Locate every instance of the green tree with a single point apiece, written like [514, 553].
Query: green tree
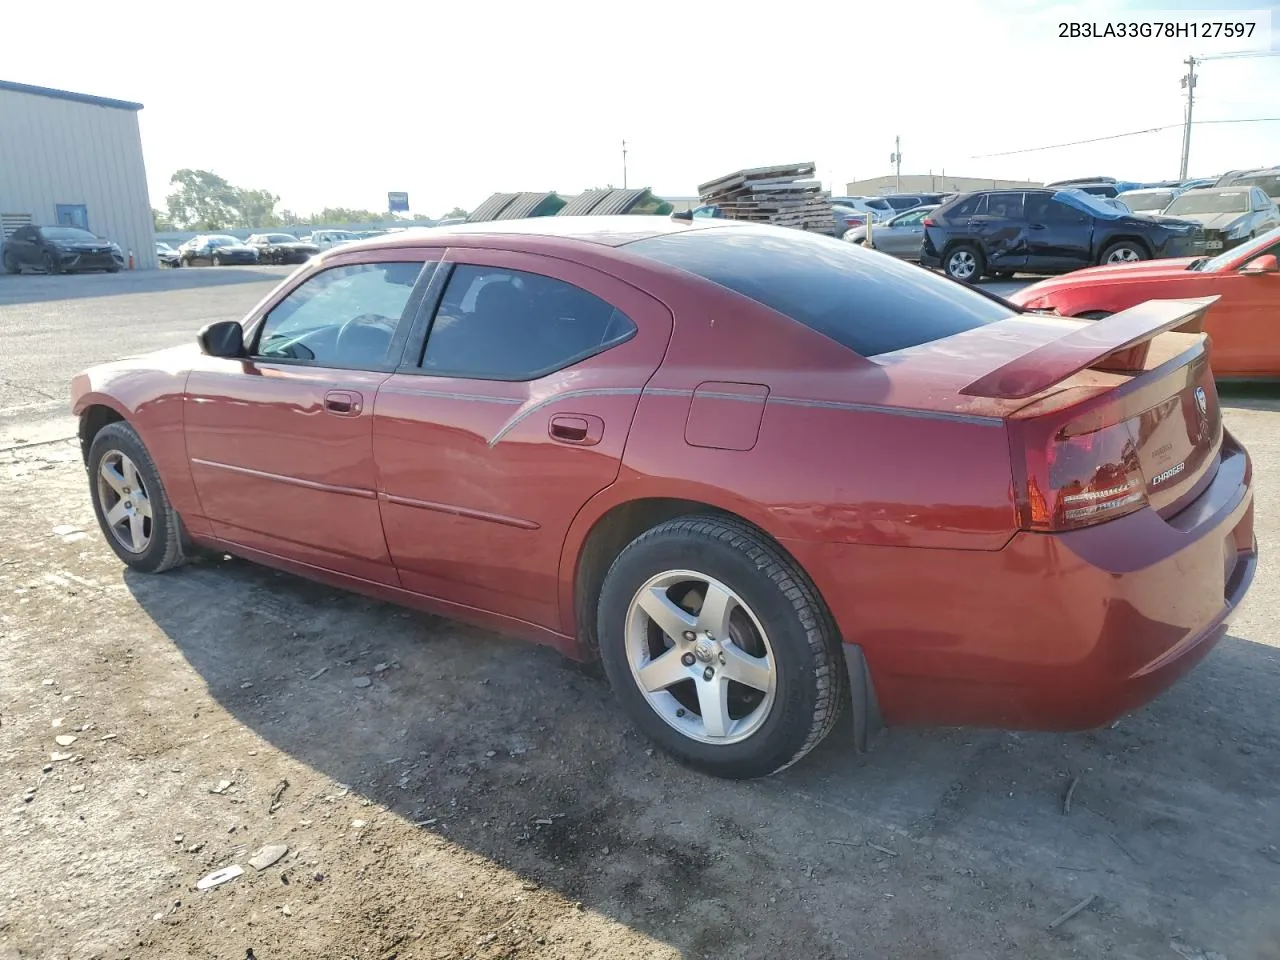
[202, 201]
[455, 212]
[161, 221]
[256, 208]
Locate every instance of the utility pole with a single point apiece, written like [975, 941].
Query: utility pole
[1188, 84]
[624, 164]
[896, 159]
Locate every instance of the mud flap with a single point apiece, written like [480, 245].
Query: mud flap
[865, 711]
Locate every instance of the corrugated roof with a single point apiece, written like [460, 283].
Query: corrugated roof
[531, 205]
[583, 203]
[618, 201]
[491, 208]
[68, 95]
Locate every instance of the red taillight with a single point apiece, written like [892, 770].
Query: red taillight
[1082, 479]
[929, 222]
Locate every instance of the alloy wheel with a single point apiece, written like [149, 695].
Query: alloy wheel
[1123, 255]
[124, 501]
[962, 264]
[700, 657]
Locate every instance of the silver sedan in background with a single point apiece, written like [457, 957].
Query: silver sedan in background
[899, 236]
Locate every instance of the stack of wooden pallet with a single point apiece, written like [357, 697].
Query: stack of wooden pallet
[786, 195]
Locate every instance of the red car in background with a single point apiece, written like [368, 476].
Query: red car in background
[1244, 324]
[763, 475]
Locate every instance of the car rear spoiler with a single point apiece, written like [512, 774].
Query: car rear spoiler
[1118, 343]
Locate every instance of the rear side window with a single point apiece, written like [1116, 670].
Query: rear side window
[865, 301]
[498, 324]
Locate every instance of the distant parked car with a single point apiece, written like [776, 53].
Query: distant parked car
[454, 221]
[877, 207]
[327, 239]
[1229, 215]
[167, 255]
[281, 248]
[1268, 179]
[1150, 200]
[59, 249]
[216, 250]
[910, 201]
[1000, 232]
[899, 236]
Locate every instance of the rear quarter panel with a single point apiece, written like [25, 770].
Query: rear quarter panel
[835, 459]
[147, 392]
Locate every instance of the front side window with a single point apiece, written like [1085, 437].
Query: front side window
[1005, 206]
[908, 219]
[499, 324]
[343, 317]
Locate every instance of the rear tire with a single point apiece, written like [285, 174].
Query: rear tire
[217, 260]
[132, 507]
[1124, 251]
[965, 263]
[1094, 315]
[11, 265]
[777, 637]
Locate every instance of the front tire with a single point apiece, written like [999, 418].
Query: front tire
[130, 502]
[719, 648]
[217, 260]
[965, 263]
[50, 265]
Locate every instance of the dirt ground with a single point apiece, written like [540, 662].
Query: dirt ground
[447, 793]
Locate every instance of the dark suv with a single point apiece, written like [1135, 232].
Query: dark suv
[1002, 232]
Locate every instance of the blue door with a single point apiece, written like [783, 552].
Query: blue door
[73, 215]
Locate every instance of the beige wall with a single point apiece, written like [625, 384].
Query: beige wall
[931, 183]
[56, 151]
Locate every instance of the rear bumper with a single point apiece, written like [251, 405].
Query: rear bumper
[1054, 632]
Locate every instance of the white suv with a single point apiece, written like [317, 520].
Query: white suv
[324, 239]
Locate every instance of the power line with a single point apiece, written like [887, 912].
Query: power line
[1119, 136]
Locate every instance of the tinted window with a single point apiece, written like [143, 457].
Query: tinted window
[867, 302]
[496, 324]
[24, 234]
[875, 203]
[1043, 208]
[907, 219]
[1269, 182]
[1005, 206]
[966, 207]
[344, 317]
[902, 203]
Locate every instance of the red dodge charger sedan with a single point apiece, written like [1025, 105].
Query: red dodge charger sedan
[764, 476]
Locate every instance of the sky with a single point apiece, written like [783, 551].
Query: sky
[337, 105]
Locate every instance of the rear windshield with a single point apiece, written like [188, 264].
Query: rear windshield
[867, 301]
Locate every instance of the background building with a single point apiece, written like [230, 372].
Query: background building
[930, 183]
[74, 159]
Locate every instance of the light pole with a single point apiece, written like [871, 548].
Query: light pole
[1188, 84]
[896, 159]
[624, 164]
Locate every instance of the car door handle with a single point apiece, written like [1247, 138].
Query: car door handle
[582, 429]
[343, 403]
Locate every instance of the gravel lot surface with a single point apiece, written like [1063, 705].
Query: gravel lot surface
[445, 793]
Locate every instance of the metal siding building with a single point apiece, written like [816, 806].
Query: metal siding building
[67, 156]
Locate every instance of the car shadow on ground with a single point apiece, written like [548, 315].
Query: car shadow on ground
[522, 757]
[43, 288]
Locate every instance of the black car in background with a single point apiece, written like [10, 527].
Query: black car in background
[216, 249]
[282, 248]
[60, 249]
[1002, 232]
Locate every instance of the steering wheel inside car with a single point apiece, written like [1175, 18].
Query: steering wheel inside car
[364, 339]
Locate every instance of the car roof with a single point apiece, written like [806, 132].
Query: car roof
[608, 231]
[1233, 188]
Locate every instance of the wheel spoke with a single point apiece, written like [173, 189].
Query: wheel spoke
[713, 705]
[143, 505]
[717, 606]
[116, 514]
[672, 620]
[136, 534]
[115, 479]
[663, 671]
[130, 473]
[747, 670]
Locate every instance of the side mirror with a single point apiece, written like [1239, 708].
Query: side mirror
[1264, 264]
[222, 339]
